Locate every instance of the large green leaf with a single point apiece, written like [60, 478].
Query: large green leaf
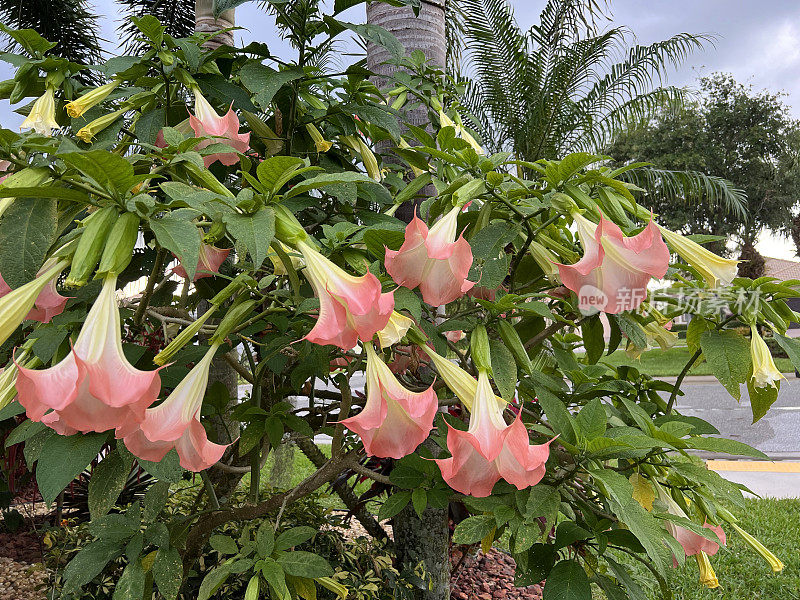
[473, 529]
[265, 82]
[728, 355]
[27, 230]
[305, 564]
[131, 584]
[107, 481]
[89, 563]
[168, 572]
[254, 231]
[567, 581]
[63, 458]
[327, 179]
[726, 446]
[761, 398]
[181, 237]
[504, 369]
[107, 170]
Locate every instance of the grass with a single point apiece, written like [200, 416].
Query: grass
[742, 573]
[669, 363]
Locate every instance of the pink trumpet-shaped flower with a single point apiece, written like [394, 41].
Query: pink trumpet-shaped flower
[614, 272]
[207, 123]
[434, 260]
[349, 307]
[175, 423]
[94, 388]
[49, 302]
[211, 258]
[490, 450]
[394, 420]
[691, 542]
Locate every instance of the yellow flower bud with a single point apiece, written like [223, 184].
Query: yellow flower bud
[77, 107]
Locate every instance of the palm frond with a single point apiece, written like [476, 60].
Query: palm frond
[68, 23]
[671, 186]
[177, 16]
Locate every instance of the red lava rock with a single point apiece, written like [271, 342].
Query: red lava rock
[488, 577]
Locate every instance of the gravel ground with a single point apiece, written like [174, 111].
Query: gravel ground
[489, 577]
[21, 581]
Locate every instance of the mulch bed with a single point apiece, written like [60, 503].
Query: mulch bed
[489, 577]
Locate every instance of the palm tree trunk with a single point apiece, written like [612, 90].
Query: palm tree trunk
[206, 22]
[417, 539]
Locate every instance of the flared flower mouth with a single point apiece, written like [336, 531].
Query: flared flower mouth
[42, 118]
[765, 372]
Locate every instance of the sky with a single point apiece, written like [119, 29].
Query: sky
[757, 41]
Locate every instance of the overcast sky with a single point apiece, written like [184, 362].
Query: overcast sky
[757, 41]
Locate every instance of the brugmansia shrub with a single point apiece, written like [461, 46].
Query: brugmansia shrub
[233, 201]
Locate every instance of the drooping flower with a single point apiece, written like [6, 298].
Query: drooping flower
[394, 420]
[16, 305]
[90, 130]
[360, 148]
[655, 334]
[320, 143]
[765, 373]
[208, 264]
[395, 329]
[490, 450]
[94, 388]
[707, 576]
[461, 131]
[455, 336]
[207, 123]
[42, 118]
[715, 270]
[79, 106]
[175, 423]
[48, 303]
[433, 259]
[546, 261]
[349, 307]
[774, 562]
[614, 272]
[691, 542]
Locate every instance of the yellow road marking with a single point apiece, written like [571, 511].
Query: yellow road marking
[754, 465]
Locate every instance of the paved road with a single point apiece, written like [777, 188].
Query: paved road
[777, 434]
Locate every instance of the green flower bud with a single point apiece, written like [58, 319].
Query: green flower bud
[119, 247]
[513, 342]
[96, 228]
[479, 344]
[287, 228]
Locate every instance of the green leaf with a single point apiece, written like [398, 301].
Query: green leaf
[28, 229]
[294, 537]
[181, 237]
[213, 581]
[394, 504]
[62, 460]
[473, 529]
[223, 544]
[168, 572]
[106, 484]
[728, 356]
[543, 501]
[154, 501]
[377, 116]
[504, 369]
[108, 170]
[12, 410]
[278, 168]
[89, 563]
[791, 346]
[761, 398]
[255, 232]
[326, 179]
[621, 573]
[593, 342]
[305, 564]
[167, 469]
[568, 533]
[632, 330]
[24, 431]
[419, 499]
[265, 82]
[131, 584]
[697, 326]
[265, 539]
[151, 27]
[220, 6]
[276, 578]
[592, 420]
[407, 477]
[149, 124]
[375, 34]
[557, 414]
[722, 445]
[567, 581]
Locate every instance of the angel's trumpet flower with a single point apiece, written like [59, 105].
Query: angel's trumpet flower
[394, 420]
[715, 270]
[42, 118]
[395, 329]
[94, 388]
[765, 373]
[490, 450]
[207, 123]
[349, 307]
[208, 263]
[613, 274]
[433, 259]
[175, 423]
[91, 99]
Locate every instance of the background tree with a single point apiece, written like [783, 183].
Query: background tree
[731, 132]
